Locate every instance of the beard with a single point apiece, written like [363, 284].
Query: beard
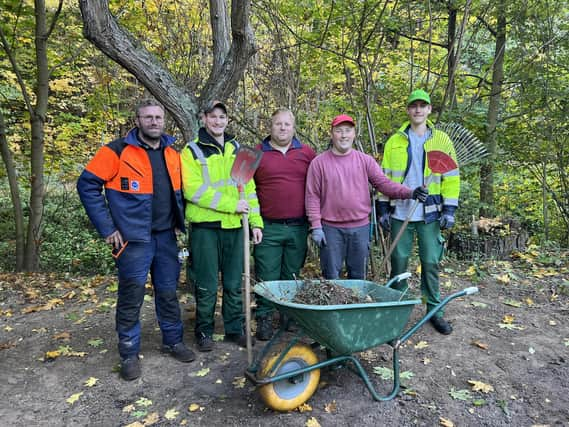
[151, 135]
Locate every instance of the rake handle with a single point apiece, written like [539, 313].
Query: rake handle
[398, 236]
[246, 277]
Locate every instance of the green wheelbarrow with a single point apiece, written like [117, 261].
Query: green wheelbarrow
[287, 373]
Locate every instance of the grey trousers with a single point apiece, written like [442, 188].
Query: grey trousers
[349, 245]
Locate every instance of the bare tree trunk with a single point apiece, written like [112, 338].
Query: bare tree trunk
[231, 54]
[8, 160]
[455, 50]
[37, 121]
[451, 63]
[487, 168]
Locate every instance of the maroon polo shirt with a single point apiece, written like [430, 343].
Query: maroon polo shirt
[281, 178]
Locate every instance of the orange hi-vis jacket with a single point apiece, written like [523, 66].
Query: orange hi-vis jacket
[123, 169]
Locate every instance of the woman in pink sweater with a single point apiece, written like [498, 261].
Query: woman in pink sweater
[338, 203]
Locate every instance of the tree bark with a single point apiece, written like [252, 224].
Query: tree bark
[487, 168]
[8, 160]
[230, 58]
[37, 121]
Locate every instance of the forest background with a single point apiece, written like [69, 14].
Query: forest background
[498, 68]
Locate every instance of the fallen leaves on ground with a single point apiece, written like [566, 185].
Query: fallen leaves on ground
[143, 401]
[330, 407]
[305, 407]
[201, 373]
[195, 407]
[460, 394]
[74, 398]
[151, 419]
[171, 414]
[312, 422]
[513, 303]
[239, 382]
[65, 336]
[480, 344]
[445, 422]
[63, 351]
[91, 381]
[421, 344]
[480, 386]
[50, 305]
[387, 373]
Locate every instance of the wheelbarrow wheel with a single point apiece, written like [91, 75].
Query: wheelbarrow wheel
[290, 393]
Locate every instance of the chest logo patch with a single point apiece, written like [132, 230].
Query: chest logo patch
[135, 185]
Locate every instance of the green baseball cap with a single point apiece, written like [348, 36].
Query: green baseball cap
[419, 95]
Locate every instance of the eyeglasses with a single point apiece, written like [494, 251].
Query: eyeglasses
[149, 119]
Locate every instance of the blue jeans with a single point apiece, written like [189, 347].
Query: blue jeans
[160, 258]
[349, 245]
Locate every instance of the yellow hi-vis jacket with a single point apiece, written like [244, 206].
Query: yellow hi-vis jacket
[443, 188]
[210, 193]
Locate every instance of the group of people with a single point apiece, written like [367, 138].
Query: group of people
[151, 191]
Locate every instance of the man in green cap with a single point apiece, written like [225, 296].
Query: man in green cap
[404, 162]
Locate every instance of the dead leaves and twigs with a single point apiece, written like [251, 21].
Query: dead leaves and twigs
[327, 292]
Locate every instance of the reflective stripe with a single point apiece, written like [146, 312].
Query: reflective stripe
[397, 174]
[451, 202]
[454, 172]
[432, 208]
[215, 200]
[198, 194]
[255, 210]
[383, 198]
[252, 196]
[203, 161]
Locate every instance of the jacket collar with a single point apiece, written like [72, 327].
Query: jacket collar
[266, 144]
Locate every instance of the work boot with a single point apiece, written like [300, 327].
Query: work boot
[441, 325]
[205, 342]
[239, 339]
[130, 368]
[179, 352]
[264, 328]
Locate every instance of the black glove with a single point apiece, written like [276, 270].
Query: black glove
[385, 222]
[420, 194]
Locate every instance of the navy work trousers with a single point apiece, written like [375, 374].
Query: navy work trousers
[159, 257]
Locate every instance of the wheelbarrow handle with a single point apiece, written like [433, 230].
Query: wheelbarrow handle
[397, 279]
[430, 314]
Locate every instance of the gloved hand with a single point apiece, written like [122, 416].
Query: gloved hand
[420, 194]
[446, 221]
[319, 237]
[385, 222]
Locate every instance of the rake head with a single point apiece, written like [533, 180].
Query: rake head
[468, 147]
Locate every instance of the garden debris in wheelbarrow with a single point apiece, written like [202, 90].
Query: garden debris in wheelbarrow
[327, 292]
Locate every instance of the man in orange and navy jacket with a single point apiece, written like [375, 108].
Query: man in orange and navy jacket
[138, 215]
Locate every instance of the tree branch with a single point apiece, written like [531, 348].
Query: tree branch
[103, 30]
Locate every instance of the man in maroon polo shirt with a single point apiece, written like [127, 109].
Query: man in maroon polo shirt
[280, 182]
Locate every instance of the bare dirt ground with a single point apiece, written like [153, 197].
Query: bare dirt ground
[506, 363]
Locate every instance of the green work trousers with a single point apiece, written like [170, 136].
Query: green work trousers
[431, 250]
[215, 250]
[279, 256]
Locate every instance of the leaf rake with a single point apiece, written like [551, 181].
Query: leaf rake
[468, 147]
[444, 155]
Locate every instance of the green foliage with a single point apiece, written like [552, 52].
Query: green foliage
[70, 243]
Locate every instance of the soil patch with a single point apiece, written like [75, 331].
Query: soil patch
[505, 364]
